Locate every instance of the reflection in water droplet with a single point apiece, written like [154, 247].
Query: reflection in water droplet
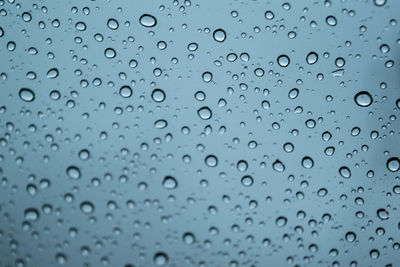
[169, 182]
[363, 99]
[31, 214]
[87, 207]
[383, 214]
[148, 20]
[345, 172]
[158, 95]
[205, 113]
[393, 164]
[73, 172]
[125, 91]
[281, 221]
[312, 58]
[278, 166]
[211, 161]
[283, 61]
[247, 180]
[160, 259]
[26, 95]
[219, 35]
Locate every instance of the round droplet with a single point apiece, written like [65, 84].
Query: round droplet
[247, 180]
[31, 214]
[125, 91]
[84, 154]
[363, 99]
[169, 182]
[112, 24]
[148, 20]
[281, 221]
[393, 164]
[110, 53]
[188, 238]
[158, 95]
[269, 15]
[219, 35]
[278, 166]
[345, 172]
[73, 172]
[307, 162]
[312, 58]
[242, 165]
[204, 113]
[211, 161]
[87, 207]
[331, 21]
[283, 61]
[351, 237]
[160, 124]
[160, 259]
[26, 95]
[379, 2]
[207, 77]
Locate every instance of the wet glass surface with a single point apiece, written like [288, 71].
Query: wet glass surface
[199, 133]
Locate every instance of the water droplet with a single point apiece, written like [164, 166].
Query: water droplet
[161, 259]
[73, 172]
[169, 182]
[204, 113]
[26, 95]
[383, 214]
[283, 61]
[211, 161]
[219, 35]
[148, 20]
[278, 166]
[363, 99]
[281, 221]
[312, 58]
[345, 172]
[247, 180]
[158, 95]
[189, 238]
[87, 207]
[393, 164]
[31, 214]
[125, 91]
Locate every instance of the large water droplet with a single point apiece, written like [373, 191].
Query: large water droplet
[26, 95]
[148, 20]
[363, 99]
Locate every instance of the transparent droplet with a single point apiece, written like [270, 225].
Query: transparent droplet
[125, 91]
[363, 99]
[204, 113]
[247, 180]
[281, 221]
[219, 35]
[158, 95]
[312, 58]
[87, 207]
[345, 172]
[393, 164]
[26, 95]
[160, 259]
[211, 161]
[73, 172]
[283, 61]
[148, 20]
[169, 182]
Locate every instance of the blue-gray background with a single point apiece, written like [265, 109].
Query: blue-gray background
[139, 220]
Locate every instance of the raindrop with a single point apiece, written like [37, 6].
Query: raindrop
[283, 61]
[169, 182]
[148, 20]
[363, 99]
[219, 35]
[26, 95]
